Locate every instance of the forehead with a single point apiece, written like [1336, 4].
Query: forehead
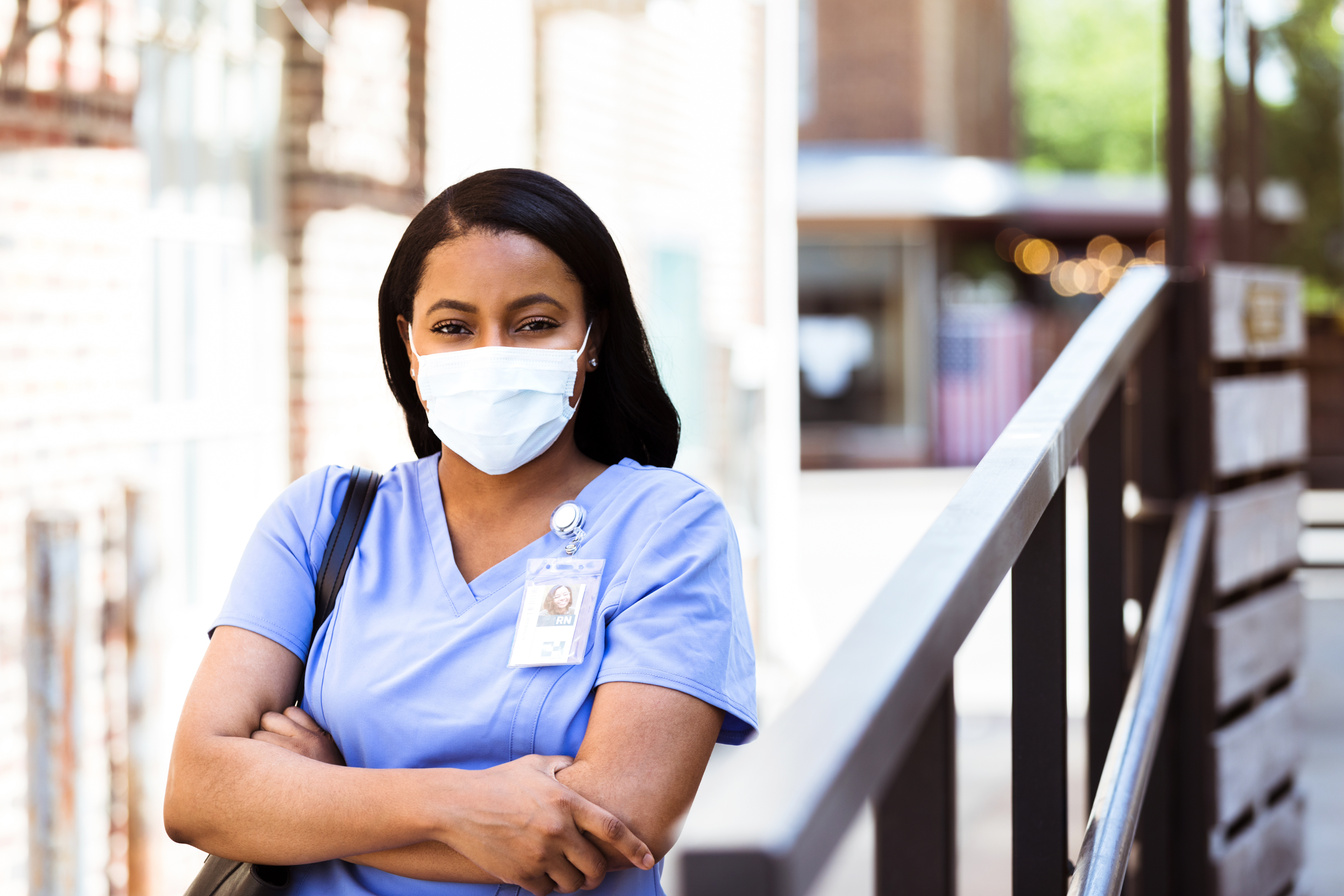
[486, 269]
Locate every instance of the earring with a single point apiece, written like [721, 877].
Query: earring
[592, 363]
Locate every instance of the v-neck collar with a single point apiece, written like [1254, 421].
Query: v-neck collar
[461, 593]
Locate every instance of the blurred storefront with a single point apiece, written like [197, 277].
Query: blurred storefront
[939, 279]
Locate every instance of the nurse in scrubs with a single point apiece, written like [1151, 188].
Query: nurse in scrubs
[421, 761]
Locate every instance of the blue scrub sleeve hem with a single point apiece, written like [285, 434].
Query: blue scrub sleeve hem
[739, 726]
[258, 627]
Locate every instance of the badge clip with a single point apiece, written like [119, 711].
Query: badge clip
[567, 522]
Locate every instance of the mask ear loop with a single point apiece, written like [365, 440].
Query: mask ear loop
[577, 355]
[410, 340]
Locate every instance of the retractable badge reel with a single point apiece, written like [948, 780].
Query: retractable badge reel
[567, 522]
[559, 600]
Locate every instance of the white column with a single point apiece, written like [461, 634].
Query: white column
[782, 621]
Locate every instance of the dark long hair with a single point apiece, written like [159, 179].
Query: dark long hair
[625, 410]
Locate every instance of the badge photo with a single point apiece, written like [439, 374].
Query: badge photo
[556, 613]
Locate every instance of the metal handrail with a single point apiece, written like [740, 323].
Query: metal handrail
[1104, 855]
[768, 818]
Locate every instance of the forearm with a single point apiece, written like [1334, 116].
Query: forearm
[249, 800]
[627, 799]
[430, 860]
[250, 793]
[641, 759]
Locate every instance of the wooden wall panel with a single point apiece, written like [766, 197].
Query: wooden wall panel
[1256, 753]
[1259, 421]
[1256, 312]
[1256, 530]
[1262, 859]
[1255, 641]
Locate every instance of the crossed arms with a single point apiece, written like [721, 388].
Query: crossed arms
[250, 779]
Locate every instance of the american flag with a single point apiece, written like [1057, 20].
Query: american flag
[984, 375]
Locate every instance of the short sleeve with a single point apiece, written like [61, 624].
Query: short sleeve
[682, 622]
[272, 593]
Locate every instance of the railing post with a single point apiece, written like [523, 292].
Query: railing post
[917, 813]
[1040, 737]
[1153, 471]
[1190, 718]
[1107, 650]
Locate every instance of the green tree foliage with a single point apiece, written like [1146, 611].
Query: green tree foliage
[1302, 144]
[1091, 91]
[1090, 82]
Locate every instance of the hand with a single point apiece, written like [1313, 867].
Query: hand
[520, 824]
[296, 731]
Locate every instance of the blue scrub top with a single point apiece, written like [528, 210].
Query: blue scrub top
[410, 670]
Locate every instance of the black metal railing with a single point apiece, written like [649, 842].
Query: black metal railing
[1103, 858]
[878, 723]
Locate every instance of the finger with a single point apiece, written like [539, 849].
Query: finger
[294, 714]
[553, 764]
[269, 737]
[567, 878]
[587, 859]
[280, 724]
[538, 886]
[608, 828]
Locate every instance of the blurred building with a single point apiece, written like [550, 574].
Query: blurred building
[197, 203]
[142, 430]
[927, 84]
[938, 280]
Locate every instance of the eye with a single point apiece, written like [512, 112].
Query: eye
[450, 328]
[538, 324]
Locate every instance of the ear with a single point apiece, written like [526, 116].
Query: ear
[404, 330]
[593, 351]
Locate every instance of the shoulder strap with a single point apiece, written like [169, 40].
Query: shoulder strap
[350, 521]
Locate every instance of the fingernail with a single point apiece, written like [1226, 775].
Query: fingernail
[648, 860]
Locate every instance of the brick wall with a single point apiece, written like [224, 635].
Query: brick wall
[870, 71]
[934, 72]
[141, 340]
[74, 379]
[319, 181]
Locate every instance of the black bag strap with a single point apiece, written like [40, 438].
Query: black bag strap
[341, 544]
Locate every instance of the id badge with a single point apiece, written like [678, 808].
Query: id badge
[559, 601]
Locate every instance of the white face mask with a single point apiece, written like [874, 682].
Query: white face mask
[498, 407]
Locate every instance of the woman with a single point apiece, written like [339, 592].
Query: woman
[420, 762]
[558, 602]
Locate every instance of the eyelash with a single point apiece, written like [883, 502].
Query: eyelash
[457, 328]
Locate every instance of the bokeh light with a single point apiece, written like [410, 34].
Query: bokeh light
[1104, 261]
[1062, 278]
[1007, 241]
[1098, 245]
[1036, 256]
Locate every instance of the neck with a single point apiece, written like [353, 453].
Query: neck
[558, 475]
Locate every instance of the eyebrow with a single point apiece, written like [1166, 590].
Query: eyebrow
[536, 298]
